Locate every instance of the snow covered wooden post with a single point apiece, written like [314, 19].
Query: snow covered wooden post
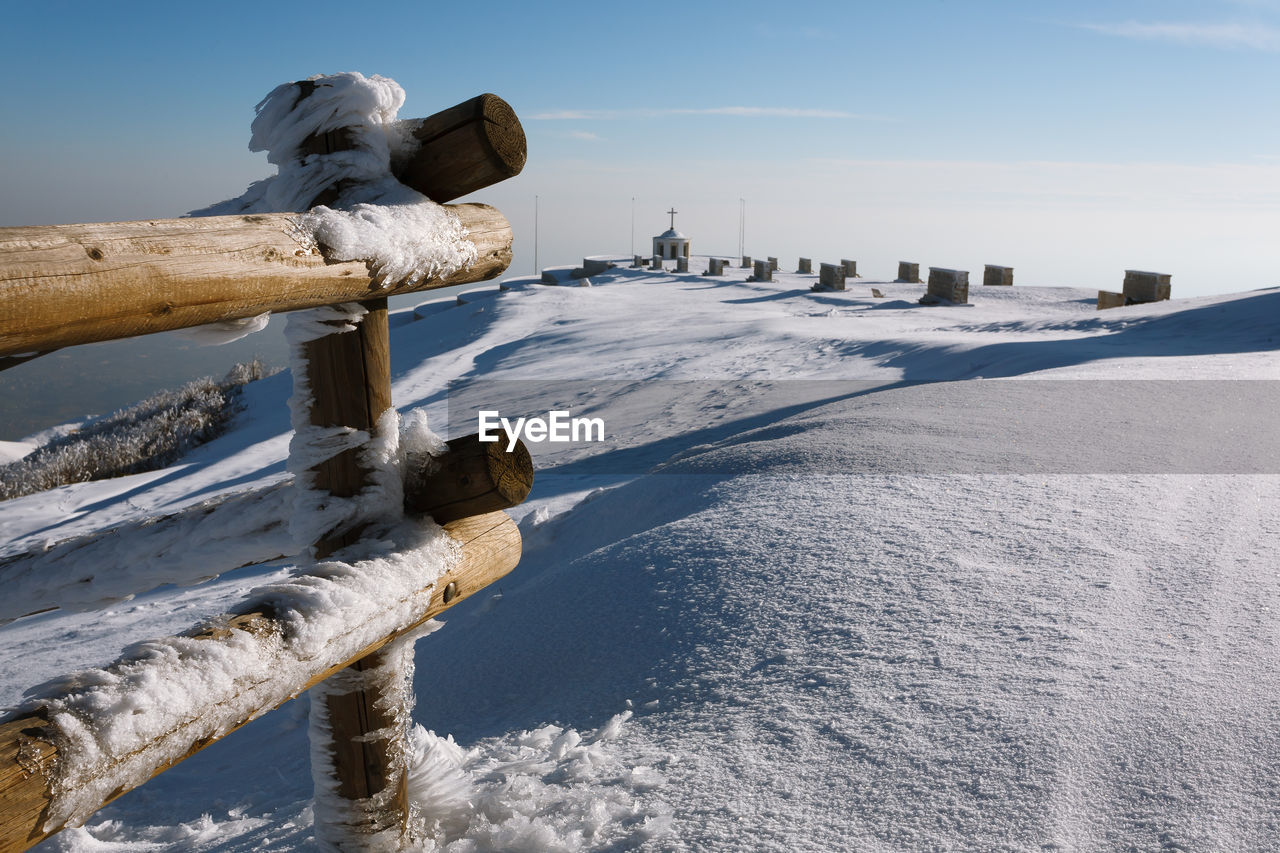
[346, 385]
[349, 375]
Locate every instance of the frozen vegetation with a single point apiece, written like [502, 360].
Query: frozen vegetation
[148, 435]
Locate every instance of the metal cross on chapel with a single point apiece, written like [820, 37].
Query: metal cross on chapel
[673, 213]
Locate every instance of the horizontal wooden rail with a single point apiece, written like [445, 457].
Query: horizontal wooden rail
[28, 752]
[62, 285]
[248, 528]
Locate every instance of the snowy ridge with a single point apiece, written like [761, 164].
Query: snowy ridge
[816, 658]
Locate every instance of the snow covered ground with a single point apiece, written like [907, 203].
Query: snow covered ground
[809, 594]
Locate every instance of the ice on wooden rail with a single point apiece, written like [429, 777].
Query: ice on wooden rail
[404, 236]
[114, 726]
[225, 331]
[403, 243]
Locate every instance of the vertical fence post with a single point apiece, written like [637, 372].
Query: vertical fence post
[350, 378]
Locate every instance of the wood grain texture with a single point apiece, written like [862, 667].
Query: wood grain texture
[465, 148]
[349, 374]
[62, 285]
[473, 478]
[490, 546]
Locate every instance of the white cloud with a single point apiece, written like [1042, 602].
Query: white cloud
[1227, 35]
[748, 112]
[584, 135]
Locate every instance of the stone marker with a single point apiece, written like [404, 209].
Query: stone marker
[851, 268]
[560, 275]
[682, 264]
[656, 263]
[773, 264]
[595, 266]
[993, 276]
[746, 262]
[715, 266]
[1110, 299]
[763, 272]
[637, 261]
[908, 272]
[806, 266]
[949, 285]
[1142, 286]
[831, 276]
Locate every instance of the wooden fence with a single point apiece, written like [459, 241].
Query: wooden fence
[74, 284]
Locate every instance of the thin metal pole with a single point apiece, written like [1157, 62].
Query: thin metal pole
[633, 226]
[742, 226]
[535, 235]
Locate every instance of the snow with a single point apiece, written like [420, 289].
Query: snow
[404, 236]
[876, 609]
[225, 331]
[207, 539]
[405, 242]
[113, 726]
[12, 451]
[366, 106]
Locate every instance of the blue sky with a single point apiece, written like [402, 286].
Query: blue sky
[1070, 140]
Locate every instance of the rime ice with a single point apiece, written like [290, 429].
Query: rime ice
[403, 243]
[403, 235]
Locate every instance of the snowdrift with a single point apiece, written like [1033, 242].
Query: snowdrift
[776, 614]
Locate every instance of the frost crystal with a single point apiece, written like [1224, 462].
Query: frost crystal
[404, 243]
[402, 235]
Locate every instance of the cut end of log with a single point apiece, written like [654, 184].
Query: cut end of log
[511, 473]
[473, 478]
[505, 135]
[466, 148]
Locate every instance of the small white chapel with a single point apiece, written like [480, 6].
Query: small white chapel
[671, 243]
